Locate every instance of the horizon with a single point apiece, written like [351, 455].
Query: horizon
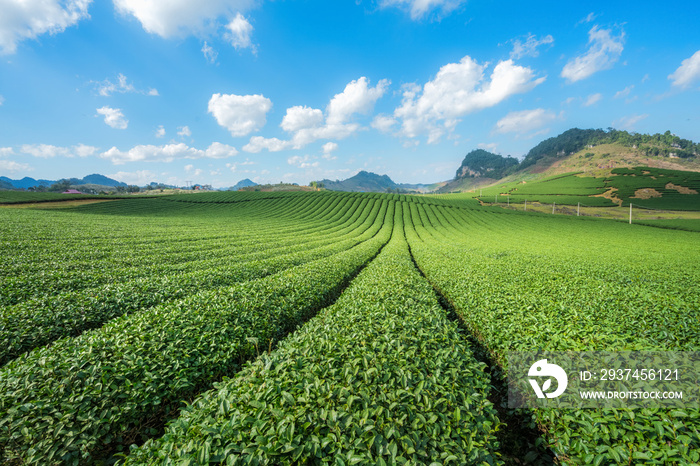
[149, 91]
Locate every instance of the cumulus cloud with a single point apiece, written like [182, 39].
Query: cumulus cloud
[328, 149]
[240, 114]
[528, 48]
[113, 117]
[628, 122]
[184, 131]
[182, 17]
[307, 125]
[524, 121]
[302, 162]
[193, 171]
[167, 153]
[300, 117]
[160, 132]
[258, 143]
[420, 8]
[592, 99]
[6, 151]
[457, 90]
[383, 123]
[239, 33]
[688, 73]
[10, 166]
[28, 19]
[106, 88]
[603, 52]
[491, 146]
[47, 151]
[357, 97]
[138, 177]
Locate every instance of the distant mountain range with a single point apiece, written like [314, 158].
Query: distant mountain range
[371, 182]
[242, 184]
[575, 150]
[26, 182]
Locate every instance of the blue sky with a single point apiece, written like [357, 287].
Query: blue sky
[293, 90]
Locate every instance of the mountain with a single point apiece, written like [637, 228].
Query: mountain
[371, 182]
[94, 179]
[242, 184]
[592, 151]
[552, 150]
[481, 163]
[101, 180]
[25, 182]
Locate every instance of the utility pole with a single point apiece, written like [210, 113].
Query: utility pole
[553, 205]
[578, 209]
[630, 213]
[525, 204]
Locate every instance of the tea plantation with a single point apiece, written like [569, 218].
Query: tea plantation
[327, 328]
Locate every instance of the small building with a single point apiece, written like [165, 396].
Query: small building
[71, 191]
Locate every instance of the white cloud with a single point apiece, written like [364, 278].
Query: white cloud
[628, 122]
[604, 51]
[160, 132]
[306, 124]
[299, 117]
[239, 33]
[383, 123]
[113, 117]
[184, 131]
[217, 150]
[529, 47]
[2, 100]
[138, 178]
[491, 146]
[302, 162]
[209, 53]
[13, 167]
[592, 99]
[590, 17]
[328, 149]
[357, 97]
[28, 19]
[459, 89]
[623, 93]
[524, 121]
[6, 151]
[167, 153]
[181, 17]
[47, 151]
[240, 114]
[419, 8]
[258, 143]
[328, 131]
[106, 88]
[688, 73]
[193, 171]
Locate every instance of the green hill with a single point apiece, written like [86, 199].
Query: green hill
[592, 167]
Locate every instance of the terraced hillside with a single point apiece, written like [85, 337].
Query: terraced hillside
[321, 327]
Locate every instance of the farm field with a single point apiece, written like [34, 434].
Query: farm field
[645, 187]
[327, 328]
